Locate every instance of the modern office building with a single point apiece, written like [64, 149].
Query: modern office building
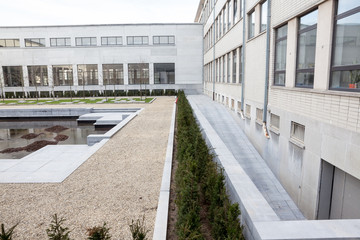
[100, 57]
[291, 70]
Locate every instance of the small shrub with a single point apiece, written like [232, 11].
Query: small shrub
[7, 235]
[138, 229]
[157, 92]
[56, 231]
[99, 233]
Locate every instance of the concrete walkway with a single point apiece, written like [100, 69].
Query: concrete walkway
[229, 131]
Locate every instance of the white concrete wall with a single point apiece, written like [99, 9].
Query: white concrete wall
[186, 53]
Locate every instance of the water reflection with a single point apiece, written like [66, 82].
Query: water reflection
[12, 131]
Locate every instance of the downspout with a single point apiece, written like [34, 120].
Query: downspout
[243, 63]
[267, 61]
[214, 26]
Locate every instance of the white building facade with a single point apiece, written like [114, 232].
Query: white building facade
[98, 58]
[294, 80]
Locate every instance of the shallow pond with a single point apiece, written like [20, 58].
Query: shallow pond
[27, 134]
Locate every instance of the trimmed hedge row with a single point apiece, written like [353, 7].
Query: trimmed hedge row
[198, 177]
[92, 93]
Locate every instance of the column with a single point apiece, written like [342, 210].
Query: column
[100, 75]
[291, 53]
[50, 76]
[75, 75]
[126, 74]
[151, 73]
[25, 76]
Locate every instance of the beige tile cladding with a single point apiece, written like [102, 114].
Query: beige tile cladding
[340, 111]
[283, 10]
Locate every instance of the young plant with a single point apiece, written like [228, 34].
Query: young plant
[138, 229]
[56, 231]
[7, 235]
[99, 233]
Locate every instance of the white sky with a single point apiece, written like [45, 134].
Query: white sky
[71, 12]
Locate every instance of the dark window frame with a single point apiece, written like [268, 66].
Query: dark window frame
[251, 34]
[344, 67]
[133, 37]
[275, 55]
[299, 32]
[261, 18]
[13, 41]
[116, 40]
[32, 43]
[59, 45]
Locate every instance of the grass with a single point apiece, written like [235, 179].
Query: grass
[51, 101]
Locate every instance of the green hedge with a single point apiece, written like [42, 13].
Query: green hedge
[198, 177]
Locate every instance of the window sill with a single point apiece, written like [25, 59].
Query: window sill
[297, 143]
[247, 117]
[259, 122]
[274, 130]
[256, 36]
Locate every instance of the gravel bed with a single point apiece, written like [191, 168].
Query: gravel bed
[120, 182]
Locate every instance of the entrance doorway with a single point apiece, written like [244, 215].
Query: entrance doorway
[339, 194]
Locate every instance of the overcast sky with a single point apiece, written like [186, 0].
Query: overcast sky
[70, 12]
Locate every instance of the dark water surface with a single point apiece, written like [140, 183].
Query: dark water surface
[12, 131]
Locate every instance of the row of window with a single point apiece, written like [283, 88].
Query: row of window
[112, 74]
[263, 19]
[345, 68]
[228, 68]
[297, 131]
[89, 41]
[228, 16]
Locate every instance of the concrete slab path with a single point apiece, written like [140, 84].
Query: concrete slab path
[229, 131]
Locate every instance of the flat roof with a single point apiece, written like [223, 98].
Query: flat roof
[101, 25]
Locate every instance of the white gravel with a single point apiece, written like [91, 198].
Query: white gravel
[120, 182]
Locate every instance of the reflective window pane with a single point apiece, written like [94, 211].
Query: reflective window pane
[279, 79]
[78, 42]
[281, 32]
[251, 26]
[104, 41]
[264, 7]
[145, 40]
[164, 40]
[346, 79]
[113, 74]
[138, 73]
[62, 75]
[38, 75]
[280, 59]
[305, 79]
[67, 42]
[347, 41]
[309, 19]
[2, 43]
[156, 40]
[164, 73]
[346, 5]
[13, 76]
[306, 49]
[87, 74]
[9, 42]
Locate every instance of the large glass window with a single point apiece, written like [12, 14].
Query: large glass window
[263, 16]
[137, 40]
[224, 21]
[9, 43]
[111, 41]
[87, 74]
[228, 67]
[223, 68]
[235, 15]
[163, 40]
[217, 66]
[164, 73]
[346, 47]
[240, 65]
[306, 50]
[62, 75]
[138, 73]
[234, 66]
[60, 42]
[85, 41]
[280, 56]
[229, 15]
[241, 8]
[35, 42]
[251, 26]
[13, 76]
[113, 74]
[38, 75]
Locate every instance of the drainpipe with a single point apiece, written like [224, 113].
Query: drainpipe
[214, 66]
[267, 61]
[243, 62]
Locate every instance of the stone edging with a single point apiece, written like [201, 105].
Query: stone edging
[161, 221]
